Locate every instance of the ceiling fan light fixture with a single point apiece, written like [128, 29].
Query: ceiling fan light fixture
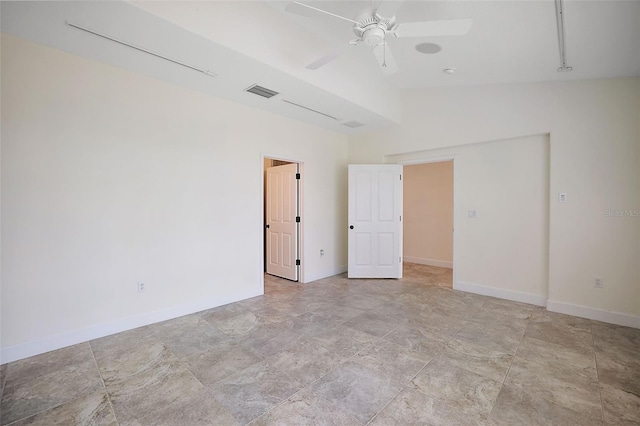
[374, 36]
[449, 71]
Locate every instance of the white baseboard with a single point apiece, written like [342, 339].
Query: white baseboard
[430, 262]
[501, 293]
[594, 313]
[333, 271]
[25, 350]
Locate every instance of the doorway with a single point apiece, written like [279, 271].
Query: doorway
[428, 195]
[282, 219]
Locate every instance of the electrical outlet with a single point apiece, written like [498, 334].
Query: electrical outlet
[472, 214]
[562, 197]
[321, 252]
[598, 283]
[141, 287]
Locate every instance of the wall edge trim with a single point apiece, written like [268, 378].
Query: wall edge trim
[611, 317]
[501, 293]
[429, 262]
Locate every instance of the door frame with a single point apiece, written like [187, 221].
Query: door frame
[441, 159]
[300, 164]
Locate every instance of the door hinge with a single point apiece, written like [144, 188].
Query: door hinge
[297, 262]
[400, 177]
[400, 218]
[298, 219]
[400, 260]
[298, 176]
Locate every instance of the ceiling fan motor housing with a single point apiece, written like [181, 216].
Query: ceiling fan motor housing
[372, 28]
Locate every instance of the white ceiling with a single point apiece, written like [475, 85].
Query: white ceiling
[510, 41]
[248, 42]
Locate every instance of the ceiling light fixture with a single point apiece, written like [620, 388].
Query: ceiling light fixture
[449, 71]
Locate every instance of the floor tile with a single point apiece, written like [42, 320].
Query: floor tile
[187, 335]
[408, 351]
[219, 362]
[269, 339]
[3, 375]
[517, 406]
[418, 339]
[412, 407]
[120, 363]
[553, 354]
[620, 407]
[344, 341]
[490, 364]
[306, 361]
[305, 408]
[568, 388]
[357, 390]
[198, 408]
[42, 382]
[93, 409]
[393, 361]
[374, 323]
[488, 338]
[253, 391]
[442, 380]
[166, 385]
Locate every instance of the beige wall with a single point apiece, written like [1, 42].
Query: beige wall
[428, 213]
[594, 157]
[110, 178]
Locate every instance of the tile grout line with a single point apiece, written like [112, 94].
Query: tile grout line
[106, 391]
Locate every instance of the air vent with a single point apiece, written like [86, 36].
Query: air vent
[310, 109]
[353, 124]
[261, 91]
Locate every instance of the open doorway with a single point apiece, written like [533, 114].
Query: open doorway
[428, 195]
[282, 220]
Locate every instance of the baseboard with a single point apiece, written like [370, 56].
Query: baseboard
[430, 262]
[594, 313]
[25, 350]
[501, 293]
[333, 271]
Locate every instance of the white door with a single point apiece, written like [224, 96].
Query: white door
[281, 224]
[375, 221]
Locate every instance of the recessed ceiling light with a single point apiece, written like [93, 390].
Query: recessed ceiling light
[428, 48]
[449, 70]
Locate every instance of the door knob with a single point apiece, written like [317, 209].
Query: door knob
[351, 227]
[267, 226]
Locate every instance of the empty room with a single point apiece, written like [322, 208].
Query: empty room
[320, 212]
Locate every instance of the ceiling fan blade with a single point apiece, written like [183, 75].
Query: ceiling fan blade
[328, 57]
[385, 59]
[447, 27]
[388, 8]
[311, 12]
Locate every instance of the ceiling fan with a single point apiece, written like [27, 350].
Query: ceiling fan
[374, 25]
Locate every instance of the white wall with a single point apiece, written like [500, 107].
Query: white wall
[428, 213]
[110, 178]
[503, 251]
[594, 157]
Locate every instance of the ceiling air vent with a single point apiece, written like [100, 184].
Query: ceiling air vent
[261, 91]
[353, 124]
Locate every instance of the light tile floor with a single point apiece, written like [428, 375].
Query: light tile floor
[341, 352]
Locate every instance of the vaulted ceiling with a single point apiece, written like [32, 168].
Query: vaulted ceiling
[248, 42]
